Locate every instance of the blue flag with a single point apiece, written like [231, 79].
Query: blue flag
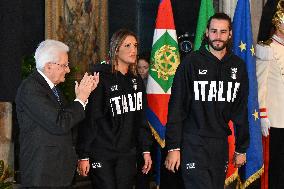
[243, 47]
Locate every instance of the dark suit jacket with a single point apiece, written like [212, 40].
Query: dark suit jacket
[47, 157]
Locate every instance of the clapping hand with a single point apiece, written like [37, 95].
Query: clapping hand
[86, 86]
[96, 79]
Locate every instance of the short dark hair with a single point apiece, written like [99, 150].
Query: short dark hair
[220, 16]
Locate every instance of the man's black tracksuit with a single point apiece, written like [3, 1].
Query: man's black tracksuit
[206, 94]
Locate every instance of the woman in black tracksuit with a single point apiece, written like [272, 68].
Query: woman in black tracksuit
[115, 122]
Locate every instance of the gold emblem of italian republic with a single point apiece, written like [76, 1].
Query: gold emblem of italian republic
[166, 61]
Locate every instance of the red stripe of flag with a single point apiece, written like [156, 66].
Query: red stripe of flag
[158, 103]
[165, 16]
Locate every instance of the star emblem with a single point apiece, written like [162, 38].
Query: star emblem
[255, 115]
[243, 46]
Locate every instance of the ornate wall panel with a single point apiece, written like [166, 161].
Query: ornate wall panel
[6, 143]
[82, 25]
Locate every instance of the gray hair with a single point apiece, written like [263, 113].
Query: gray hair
[48, 51]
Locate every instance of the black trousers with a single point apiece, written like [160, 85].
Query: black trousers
[113, 173]
[204, 162]
[276, 158]
[142, 180]
[169, 180]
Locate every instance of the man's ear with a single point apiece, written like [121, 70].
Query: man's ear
[206, 32]
[230, 34]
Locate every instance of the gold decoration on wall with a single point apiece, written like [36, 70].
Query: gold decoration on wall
[82, 25]
[6, 143]
[53, 10]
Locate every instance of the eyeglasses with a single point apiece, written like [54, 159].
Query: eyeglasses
[62, 65]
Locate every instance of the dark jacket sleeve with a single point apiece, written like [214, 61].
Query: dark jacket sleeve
[35, 106]
[178, 108]
[240, 115]
[87, 130]
[145, 135]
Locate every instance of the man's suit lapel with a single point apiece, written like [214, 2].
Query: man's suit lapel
[39, 78]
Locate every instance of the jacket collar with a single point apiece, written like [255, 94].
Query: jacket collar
[204, 49]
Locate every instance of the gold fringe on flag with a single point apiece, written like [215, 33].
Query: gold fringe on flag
[157, 137]
[231, 178]
[252, 178]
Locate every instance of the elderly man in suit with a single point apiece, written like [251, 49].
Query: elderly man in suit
[47, 157]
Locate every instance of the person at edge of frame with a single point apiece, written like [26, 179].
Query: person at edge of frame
[270, 77]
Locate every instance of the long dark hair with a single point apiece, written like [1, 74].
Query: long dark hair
[116, 41]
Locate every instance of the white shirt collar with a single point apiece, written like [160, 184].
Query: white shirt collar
[51, 85]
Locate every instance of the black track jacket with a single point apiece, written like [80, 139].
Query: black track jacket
[115, 121]
[206, 94]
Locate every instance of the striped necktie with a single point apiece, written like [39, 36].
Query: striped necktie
[54, 90]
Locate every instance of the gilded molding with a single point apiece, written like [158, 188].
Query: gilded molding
[53, 11]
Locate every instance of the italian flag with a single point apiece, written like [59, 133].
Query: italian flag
[206, 10]
[164, 62]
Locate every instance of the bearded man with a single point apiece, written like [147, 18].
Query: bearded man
[209, 89]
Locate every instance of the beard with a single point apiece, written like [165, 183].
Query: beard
[218, 47]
